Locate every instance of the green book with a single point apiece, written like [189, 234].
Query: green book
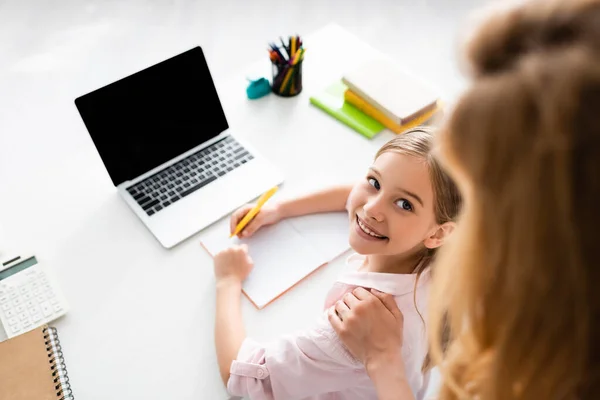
[331, 100]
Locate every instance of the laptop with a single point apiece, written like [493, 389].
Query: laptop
[166, 144]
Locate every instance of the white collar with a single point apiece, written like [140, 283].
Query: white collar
[395, 284]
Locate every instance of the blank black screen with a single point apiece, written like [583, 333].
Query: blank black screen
[147, 118]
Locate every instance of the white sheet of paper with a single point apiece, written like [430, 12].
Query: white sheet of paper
[286, 252]
[327, 232]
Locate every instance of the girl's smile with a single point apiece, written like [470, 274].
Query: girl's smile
[367, 232]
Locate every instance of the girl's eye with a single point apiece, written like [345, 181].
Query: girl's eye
[404, 204]
[373, 182]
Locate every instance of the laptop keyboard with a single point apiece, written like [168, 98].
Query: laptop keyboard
[188, 175]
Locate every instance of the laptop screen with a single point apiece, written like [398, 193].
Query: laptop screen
[146, 119]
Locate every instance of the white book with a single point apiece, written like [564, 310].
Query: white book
[284, 253]
[386, 86]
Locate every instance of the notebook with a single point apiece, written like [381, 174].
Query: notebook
[364, 106]
[387, 87]
[331, 100]
[284, 253]
[32, 366]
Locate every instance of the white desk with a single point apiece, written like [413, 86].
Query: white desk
[141, 319]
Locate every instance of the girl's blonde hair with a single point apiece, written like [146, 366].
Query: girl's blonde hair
[518, 283]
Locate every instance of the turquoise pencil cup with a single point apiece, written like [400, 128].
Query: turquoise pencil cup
[287, 79]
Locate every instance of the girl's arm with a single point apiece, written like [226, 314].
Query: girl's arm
[327, 200]
[232, 266]
[229, 326]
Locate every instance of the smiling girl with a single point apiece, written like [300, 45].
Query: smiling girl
[400, 213]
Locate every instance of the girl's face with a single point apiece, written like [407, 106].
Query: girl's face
[391, 209]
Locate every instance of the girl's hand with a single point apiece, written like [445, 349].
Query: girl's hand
[233, 264]
[268, 214]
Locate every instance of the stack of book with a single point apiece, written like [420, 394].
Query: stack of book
[378, 95]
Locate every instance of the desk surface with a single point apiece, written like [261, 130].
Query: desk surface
[141, 318]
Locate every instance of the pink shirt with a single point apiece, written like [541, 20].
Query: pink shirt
[316, 365]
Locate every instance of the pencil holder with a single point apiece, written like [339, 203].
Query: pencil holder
[287, 78]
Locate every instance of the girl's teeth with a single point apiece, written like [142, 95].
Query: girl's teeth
[367, 230]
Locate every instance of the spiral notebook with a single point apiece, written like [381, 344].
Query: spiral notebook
[32, 366]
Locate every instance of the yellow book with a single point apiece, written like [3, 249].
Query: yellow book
[358, 102]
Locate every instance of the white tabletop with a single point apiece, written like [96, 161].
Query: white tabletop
[141, 319]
